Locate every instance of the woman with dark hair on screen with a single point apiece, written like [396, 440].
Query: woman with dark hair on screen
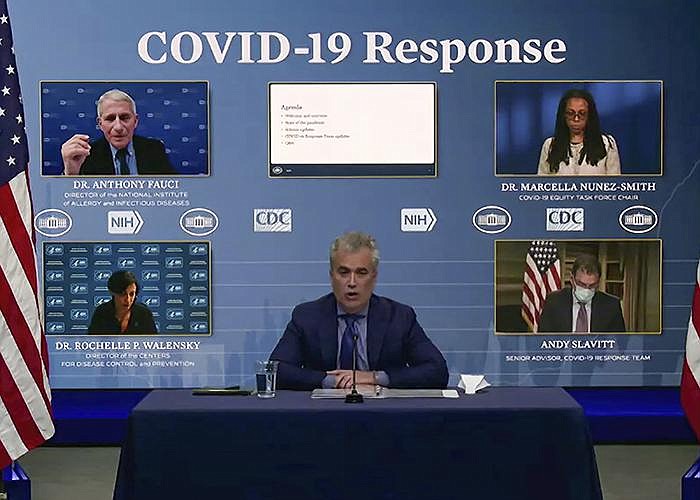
[122, 314]
[578, 146]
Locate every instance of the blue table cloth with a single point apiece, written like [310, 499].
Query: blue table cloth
[503, 443]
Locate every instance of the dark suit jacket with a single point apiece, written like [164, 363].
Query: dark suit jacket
[151, 158]
[606, 313]
[103, 321]
[396, 344]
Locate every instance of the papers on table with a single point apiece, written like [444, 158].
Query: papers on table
[472, 383]
[385, 392]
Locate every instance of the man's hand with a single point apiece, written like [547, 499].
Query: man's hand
[343, 378]
[74, 151]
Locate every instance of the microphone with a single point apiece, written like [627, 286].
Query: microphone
[354, 396]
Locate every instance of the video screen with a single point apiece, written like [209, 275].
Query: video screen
[571, 128]
[578, 286]
[163, 126]
[353, 129]
[165, 286]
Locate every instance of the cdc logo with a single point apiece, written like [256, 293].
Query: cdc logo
[55, 276]
[198, 249]
[198, 327]
[79, 314]
[174, 262]
[53, 250]
[150, 249]
[102, 250]
[153, 275]
[126, 263]
[152, 301]
[101, 275]
[272, 220]
[175, 314]
[55, 301]
[565, 219]
[638, 219]
[55, 327]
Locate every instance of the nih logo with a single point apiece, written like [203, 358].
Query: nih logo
[272, 220]
[124, 222]
[565, 219]
[417, 220]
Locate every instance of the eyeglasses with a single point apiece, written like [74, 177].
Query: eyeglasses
[573, 115]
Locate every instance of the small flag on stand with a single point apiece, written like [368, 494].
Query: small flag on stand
[25, 396]
[542, 276]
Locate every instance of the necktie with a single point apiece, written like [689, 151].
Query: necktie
[582, 318]
[123, 165]
[346, 342]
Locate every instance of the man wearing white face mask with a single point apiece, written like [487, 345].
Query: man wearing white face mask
[582, 308]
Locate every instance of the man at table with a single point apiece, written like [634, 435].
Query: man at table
[392, 348]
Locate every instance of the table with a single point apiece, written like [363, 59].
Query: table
[503, 443]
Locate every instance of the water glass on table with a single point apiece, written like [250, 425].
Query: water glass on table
[266, 378]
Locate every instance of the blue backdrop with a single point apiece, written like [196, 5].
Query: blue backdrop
[447, 273]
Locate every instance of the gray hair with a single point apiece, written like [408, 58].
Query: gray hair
[354, 241]
[115, 95]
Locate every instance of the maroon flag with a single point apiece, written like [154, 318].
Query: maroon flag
[542, 276]
[690, 379]
[25, 396]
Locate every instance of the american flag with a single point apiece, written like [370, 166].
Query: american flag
[542, 276]
[690, 379]
[25, 396]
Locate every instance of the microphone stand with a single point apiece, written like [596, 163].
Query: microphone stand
[354, 396]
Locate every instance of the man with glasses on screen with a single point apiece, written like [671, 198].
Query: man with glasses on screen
[316, 349]
[582, 308]
[119, 152]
